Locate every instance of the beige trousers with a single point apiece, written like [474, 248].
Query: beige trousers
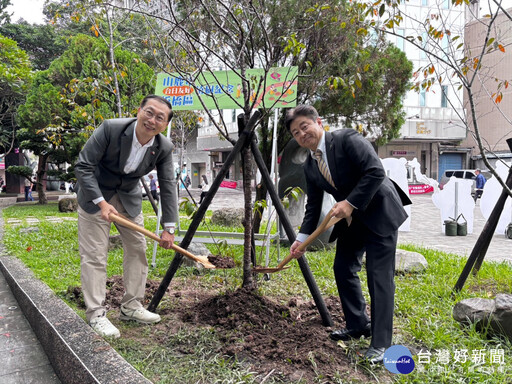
[93, 239]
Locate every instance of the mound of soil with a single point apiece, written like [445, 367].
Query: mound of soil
[284, 341]
[221, 261]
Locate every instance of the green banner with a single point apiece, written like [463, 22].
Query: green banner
[223, 89]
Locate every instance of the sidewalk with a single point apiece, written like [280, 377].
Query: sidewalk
[22, 357]
[427, 231]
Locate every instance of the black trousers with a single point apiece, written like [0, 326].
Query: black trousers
[380, 272]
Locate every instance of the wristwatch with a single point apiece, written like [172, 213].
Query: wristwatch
[170, 230]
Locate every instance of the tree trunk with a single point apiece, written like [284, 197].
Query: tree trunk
[113, 64]
[265, 145]
[248, 280]
[41, 174]
[261, 194]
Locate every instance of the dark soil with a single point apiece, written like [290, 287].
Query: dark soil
[284, 341]
[221, 261]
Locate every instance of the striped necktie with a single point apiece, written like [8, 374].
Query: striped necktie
[322, 166]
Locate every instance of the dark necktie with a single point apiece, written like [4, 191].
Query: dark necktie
[322, 166]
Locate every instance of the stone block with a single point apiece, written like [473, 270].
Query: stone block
[68, 205]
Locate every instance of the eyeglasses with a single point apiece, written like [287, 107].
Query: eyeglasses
[160, 119]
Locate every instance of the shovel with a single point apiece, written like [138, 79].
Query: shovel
[127, 223]
[327, 223]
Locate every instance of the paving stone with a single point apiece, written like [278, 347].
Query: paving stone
[17, 339]
[20, 359]
[14, 323]
[6, 296]
[54, 219]
[37, 375]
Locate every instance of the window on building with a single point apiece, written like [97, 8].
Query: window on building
[424, 38]
[424, 2]
[445, 44]
[444, 96]
[374, 38]
[446, 4]
[423, 98]
[400, 39]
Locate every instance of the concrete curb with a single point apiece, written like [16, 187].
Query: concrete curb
[76, 352]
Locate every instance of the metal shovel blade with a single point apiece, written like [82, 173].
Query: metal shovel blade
[328, 222]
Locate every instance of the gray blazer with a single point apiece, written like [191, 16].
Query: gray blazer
[99, 170]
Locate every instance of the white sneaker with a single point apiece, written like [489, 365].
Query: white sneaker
[104, 327]
[140, 315]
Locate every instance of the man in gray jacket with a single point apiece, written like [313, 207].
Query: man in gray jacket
[108, 171]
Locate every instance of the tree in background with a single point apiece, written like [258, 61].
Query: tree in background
[5, 17]
[116, 28]
[41, 42]
[451, 60]
[70, 99]
[375, 108]
[354, 79]
[15, 78]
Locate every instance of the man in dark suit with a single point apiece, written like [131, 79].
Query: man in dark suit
[345, 165]
[108, 171]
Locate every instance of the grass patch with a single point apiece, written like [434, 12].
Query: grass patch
[444, 351]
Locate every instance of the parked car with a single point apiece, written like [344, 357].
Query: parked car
[146, 178]
[468, 174]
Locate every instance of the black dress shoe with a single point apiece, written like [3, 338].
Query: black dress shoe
[375, 355]
[347, 334]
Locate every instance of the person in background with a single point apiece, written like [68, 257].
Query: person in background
[480, 182]
[204, 188]
[344, 164]
[28, 189]
[108, 172]
[153, 187]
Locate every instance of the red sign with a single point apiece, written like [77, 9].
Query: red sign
[178, 91]
[228, 184]
[418, 189]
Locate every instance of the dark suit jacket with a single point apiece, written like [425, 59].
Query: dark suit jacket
[359, 178]
[100, 165]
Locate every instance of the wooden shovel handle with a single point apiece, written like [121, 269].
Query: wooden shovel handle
[127, 223]
[326, 223]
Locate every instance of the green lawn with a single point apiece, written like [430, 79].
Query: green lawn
[423, 316]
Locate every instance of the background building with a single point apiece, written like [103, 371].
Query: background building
[433, 129]
[494, 119]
